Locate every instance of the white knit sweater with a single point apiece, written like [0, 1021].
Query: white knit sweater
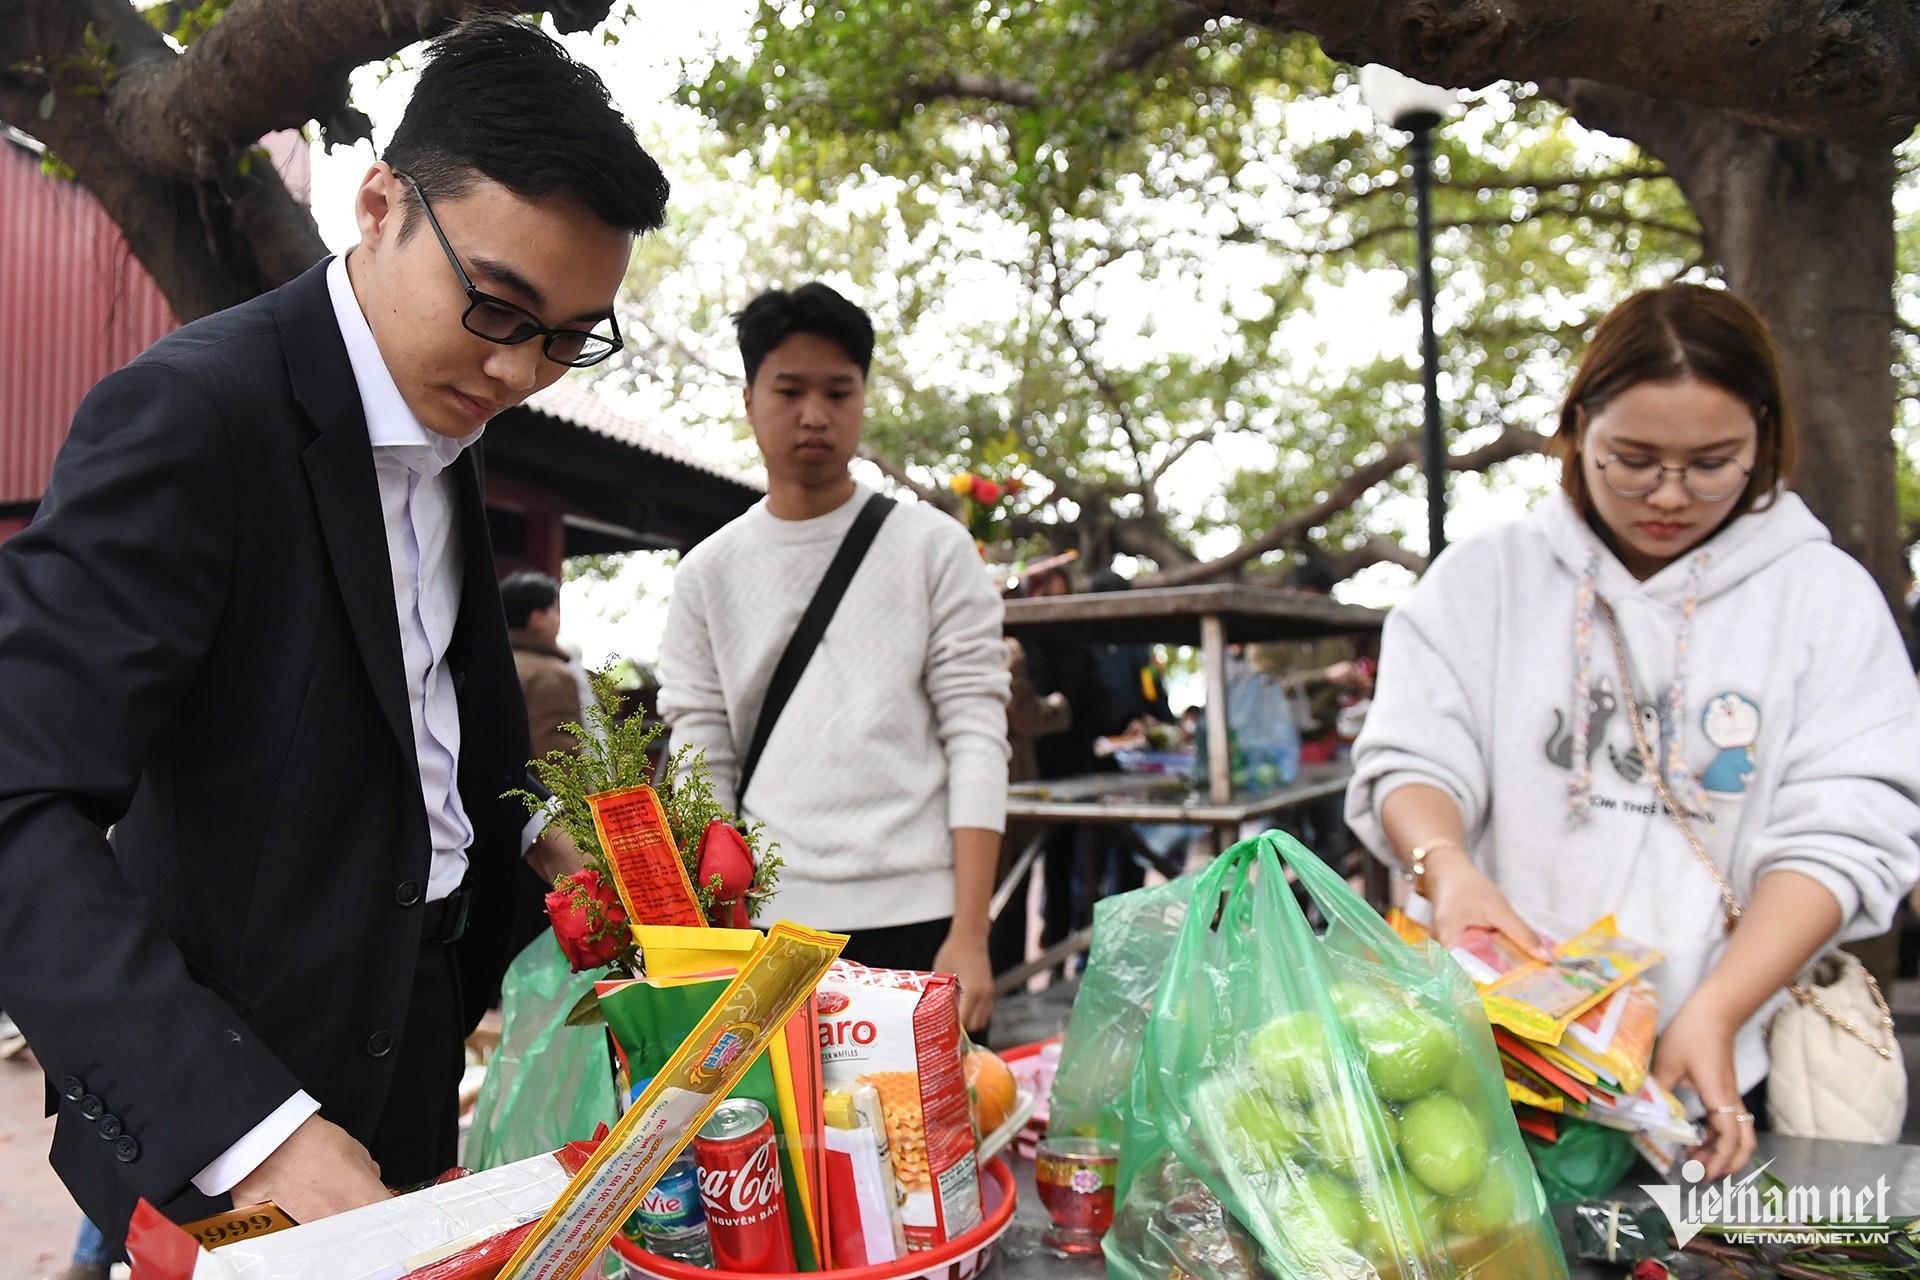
[897, 731]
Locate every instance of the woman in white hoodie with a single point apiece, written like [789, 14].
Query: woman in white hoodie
[1498, 764]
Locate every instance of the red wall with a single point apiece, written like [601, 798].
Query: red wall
[74, 306]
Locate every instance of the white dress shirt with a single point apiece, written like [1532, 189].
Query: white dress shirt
[420, 508]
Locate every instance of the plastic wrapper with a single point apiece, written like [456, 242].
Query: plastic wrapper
[1133, 936]
[1584, 1160]
[548, 1083]
[1609, 1231]
[1339, 1099]
[448, 1231]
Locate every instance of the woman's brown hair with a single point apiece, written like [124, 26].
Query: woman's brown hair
[1664, 335]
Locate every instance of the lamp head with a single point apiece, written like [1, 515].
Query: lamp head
[1402, 102]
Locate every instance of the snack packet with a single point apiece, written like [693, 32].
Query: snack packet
[899, 1032]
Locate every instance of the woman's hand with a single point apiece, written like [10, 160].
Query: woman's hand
[1464, 898]
[1696, 1050]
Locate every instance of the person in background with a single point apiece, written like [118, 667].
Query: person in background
[550, 682]
[548, 675]
[1502, 762]
[254, 629]
[1320, 676]
[1030, 718]
[884, 779]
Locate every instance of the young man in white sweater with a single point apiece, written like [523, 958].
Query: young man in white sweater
[884, 780]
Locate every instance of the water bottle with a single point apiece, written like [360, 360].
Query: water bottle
[670, 1220]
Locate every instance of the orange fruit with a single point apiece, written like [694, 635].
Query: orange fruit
[991, 1089]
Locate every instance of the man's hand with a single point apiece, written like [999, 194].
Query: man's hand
[317, 1172]
[965, 957]
[553, 855]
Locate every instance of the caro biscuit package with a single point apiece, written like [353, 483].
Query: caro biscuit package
[900, 1032]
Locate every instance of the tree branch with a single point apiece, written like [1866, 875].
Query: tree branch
[1375, 551]
[1512, 443]
[892, 470]
[275, 64]
[1846, 70]
[970, 85]
[1183, 23]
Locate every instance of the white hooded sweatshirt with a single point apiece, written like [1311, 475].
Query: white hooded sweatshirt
[1769, 673]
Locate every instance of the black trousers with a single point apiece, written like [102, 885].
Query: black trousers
[900, 946]
[418, 1137]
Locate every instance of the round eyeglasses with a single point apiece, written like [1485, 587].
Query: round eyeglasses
[1635, 475]
[498, 320]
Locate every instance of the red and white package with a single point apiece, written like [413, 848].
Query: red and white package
[899, 1031]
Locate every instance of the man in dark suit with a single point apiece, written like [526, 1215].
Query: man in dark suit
[254, 630]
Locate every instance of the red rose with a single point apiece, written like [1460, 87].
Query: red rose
[724, 853]
[1013, 486]
[588, 920]
[986, 491]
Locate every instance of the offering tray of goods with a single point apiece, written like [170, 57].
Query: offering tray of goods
[956, 1259]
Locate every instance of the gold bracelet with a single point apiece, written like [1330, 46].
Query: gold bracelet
[1418, 856]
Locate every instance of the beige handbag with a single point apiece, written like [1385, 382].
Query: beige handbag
[1831, 1077]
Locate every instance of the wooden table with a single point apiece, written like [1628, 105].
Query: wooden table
[1208, 616]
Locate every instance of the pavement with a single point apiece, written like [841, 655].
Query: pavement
[37, 1217]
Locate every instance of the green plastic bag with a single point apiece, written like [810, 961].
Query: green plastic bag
[548, 1083]
[1588, 1160]
[1133, 935]
[1307, 1107]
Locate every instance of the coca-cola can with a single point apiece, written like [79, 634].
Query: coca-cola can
[741, 1191]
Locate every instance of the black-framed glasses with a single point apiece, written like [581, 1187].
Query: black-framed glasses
[1635, 475]
[498, 320]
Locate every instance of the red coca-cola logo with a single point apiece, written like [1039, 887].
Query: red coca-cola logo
[832, 1002]
[744, 1192]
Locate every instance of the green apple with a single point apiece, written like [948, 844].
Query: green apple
[1341, 1125]
[1442, 1144]
[1409, 1051]
[1353, 1001]
[1415, 1209]
[1246, 1125]
[1463, 1081]
[1483, 1210]
[1292, 1056]
[1321, 1220]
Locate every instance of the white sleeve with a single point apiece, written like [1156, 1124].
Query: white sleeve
[692, 701]
[248, 1154]
[1847, 809]
[1427, 722]
[967, 680]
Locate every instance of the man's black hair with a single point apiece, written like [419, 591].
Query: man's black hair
[500, 99]
[525, 592]
[777, 315]
[1314, 574]
[1108, 579]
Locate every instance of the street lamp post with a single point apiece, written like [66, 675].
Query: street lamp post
[1406, 104]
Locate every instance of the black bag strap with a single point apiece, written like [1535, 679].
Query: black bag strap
[812, 625]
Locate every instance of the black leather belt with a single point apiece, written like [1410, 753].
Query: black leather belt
[443, 920]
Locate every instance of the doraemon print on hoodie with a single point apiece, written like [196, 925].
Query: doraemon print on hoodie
[1774, 690]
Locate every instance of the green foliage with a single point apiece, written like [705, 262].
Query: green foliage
[1097, 241]
[185, 23]
[613, 754]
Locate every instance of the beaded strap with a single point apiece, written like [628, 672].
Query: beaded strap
[1803, 992]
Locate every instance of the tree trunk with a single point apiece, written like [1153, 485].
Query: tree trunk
[1803, 230]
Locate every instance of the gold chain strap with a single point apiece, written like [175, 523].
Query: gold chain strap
[1804, 993]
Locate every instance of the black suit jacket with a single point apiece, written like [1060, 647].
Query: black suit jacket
[199, 648]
